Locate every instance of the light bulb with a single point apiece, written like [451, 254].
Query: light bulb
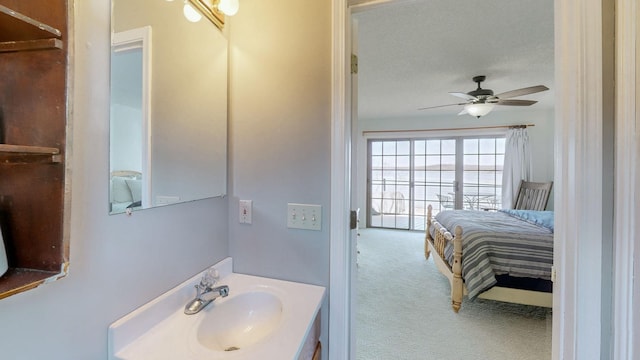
[229, 7]
[479, 109]
[190, 13]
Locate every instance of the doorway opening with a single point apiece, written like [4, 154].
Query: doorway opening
[406, 173]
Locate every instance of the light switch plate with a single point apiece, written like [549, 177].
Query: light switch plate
[304, 216]
[245, 211]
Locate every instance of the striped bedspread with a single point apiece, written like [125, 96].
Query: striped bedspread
[497, 243]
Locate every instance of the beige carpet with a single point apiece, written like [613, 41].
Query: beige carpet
[403, 310]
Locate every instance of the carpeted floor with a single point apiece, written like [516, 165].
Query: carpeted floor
[403, 310]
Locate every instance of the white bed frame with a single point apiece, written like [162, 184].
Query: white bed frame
[454, 272]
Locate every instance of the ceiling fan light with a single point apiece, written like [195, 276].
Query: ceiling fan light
[479, 109]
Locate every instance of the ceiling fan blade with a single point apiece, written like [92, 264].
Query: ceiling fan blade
[464, 111]
[439, 106]
[464, 96]
[523, 91]
[516, 102]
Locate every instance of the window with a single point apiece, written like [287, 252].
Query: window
[482, 173]
[408, 175]
[390, 179]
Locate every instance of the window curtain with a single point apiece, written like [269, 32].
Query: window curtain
[517, 165]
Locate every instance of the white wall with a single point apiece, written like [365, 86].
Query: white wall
[279, 139]
[117, 262]
[541, 137]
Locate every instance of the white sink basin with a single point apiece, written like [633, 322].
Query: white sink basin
[261, 318]
[238, 322]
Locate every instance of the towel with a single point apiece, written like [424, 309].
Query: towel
[4, 265]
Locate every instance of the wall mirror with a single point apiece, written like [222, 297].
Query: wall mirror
[168, 120]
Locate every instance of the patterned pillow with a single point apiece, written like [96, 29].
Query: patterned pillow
[540, 218]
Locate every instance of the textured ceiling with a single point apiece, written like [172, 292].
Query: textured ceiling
[413, 52]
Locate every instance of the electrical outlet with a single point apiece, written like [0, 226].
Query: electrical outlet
[304, 216]
[245, 211]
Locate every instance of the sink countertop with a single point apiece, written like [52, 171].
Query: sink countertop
[160, 329]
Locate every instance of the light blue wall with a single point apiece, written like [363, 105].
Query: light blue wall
[117, 263]
[280, 136]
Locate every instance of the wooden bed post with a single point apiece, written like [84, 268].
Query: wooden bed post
[427, 236]
[457, 284]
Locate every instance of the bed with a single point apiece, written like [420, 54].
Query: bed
[504, 255]
[125, 190]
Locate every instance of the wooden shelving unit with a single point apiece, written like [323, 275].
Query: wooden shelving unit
[33, 130]
[19, 32]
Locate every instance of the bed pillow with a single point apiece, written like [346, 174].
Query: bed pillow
[135, 186]
[120, 191]
[540, 218]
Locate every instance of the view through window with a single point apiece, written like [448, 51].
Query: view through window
[407, 175]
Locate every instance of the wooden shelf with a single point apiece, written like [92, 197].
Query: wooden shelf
[28, 154]
[19, 32]
[18, 280]
[27, 45]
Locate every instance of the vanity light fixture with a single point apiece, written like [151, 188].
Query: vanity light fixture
[478, 109]
[190, 13]
[214, 10]
[228, 7]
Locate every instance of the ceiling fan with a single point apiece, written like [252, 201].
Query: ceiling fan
[480, 102]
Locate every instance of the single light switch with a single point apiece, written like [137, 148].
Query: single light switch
[245, 211]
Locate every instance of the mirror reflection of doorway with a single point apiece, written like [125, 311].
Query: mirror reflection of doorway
[129, 120]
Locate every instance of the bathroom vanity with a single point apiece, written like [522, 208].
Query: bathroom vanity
[260, 318]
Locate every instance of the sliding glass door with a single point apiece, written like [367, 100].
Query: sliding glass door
[389, 183]
[435, 178]
[482, 173]
[405, 176]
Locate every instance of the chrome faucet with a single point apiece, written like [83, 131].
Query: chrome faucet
[206, 293]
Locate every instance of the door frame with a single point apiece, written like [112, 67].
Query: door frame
[627, 180]
[578, 174]
[141, 38]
